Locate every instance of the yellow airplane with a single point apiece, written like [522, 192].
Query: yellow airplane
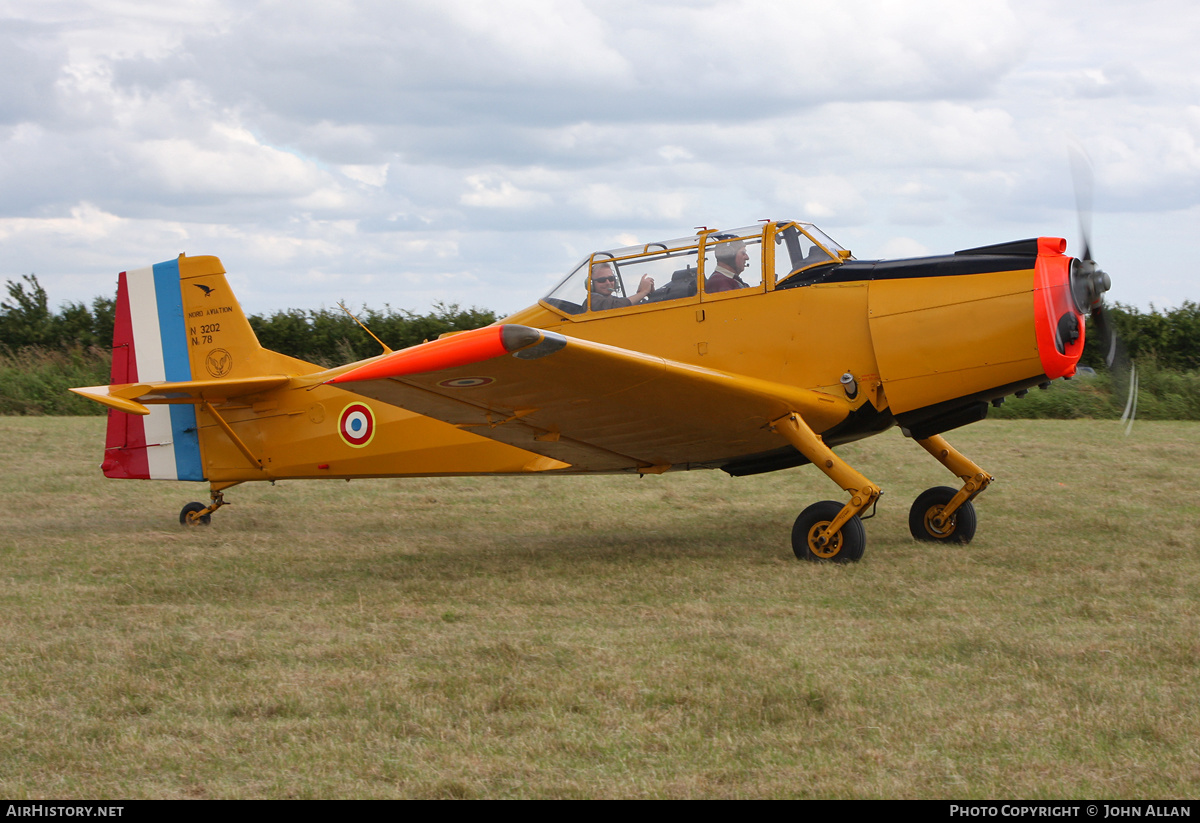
[748, 350]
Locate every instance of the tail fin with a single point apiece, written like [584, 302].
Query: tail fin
[176, 322]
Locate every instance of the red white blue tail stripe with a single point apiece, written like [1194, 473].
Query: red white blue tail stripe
[150, 346]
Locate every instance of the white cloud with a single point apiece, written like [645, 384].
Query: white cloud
[229, 163]
[490, 191]
[84, 225]
[902, 247]
[396, 152]
[675, 154]
[371, 175]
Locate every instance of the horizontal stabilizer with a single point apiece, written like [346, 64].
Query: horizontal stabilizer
[132, 397]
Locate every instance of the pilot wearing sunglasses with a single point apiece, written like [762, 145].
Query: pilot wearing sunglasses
[603, 283]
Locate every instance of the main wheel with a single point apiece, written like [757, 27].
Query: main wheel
[187, 517]
[928, 505]
[846, 547]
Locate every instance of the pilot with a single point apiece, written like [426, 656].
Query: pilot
[604, 282]
[732, 259]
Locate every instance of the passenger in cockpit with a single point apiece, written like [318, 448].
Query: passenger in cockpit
[604, 281]
[732, 259]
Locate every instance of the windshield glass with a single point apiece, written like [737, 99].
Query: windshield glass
[802, 246]
[571, 294]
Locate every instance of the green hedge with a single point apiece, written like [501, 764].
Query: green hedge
[1171, 336]
[35, 380]
[42, 353]
[1163, 394]
[330, 337]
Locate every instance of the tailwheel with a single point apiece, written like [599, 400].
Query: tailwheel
[845, 547]
[922, 517]
[191, 515]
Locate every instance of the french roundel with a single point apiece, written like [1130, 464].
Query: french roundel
[356, 425]
[466, 382]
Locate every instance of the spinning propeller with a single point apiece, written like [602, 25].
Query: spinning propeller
[1088, 285]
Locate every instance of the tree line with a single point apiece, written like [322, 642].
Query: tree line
[324, 336]
[1171, 337]
[44, 351]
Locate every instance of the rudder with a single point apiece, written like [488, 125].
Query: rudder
[150, 345]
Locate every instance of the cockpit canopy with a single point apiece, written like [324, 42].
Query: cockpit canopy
[713, 262]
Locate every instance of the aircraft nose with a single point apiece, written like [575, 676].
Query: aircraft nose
[1088, 285]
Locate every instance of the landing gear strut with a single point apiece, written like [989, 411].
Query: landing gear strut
[828, 531]
[198, 514]
[941, 514]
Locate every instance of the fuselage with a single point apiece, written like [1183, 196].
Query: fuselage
[924, 343]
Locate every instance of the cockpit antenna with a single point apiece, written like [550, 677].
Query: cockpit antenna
[386, 348]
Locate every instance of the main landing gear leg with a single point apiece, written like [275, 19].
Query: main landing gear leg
[941, 514]
[197, 514]
[828, 530]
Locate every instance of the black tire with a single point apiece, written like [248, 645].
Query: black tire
[928, 505]
[847, 547]
[186, 519]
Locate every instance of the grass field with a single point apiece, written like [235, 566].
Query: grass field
[605, 637]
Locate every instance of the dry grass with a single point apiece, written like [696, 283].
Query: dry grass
[604, 637]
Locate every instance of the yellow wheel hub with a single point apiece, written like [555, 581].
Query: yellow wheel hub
[947, 528]
[830, 549]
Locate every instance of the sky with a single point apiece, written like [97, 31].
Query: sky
[405, 153]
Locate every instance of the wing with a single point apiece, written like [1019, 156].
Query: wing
[597, 407]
